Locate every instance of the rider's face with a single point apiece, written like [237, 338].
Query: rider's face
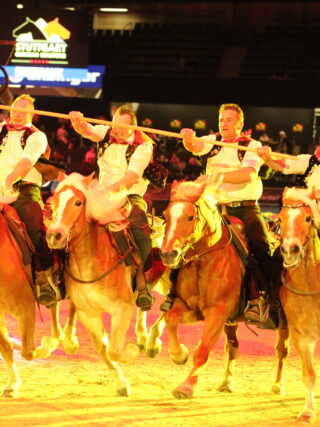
[229, 124]
[19, 118]
[119, 133]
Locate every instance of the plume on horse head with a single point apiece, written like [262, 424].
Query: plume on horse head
[186, 191]
[308, 196]
[101, 205]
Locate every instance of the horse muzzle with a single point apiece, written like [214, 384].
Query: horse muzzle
[292, 255]
[57, 237]
[171, 258]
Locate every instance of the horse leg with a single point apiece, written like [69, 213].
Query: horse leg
[120, 322]
[213, 324]
[178, 314]
[6, 349]
[70, 339]
[231, 350]
[141, 329]
[26, 323]
[56, 330]
[154, 343]
[305, 348]
[94, 325]
[282, 351]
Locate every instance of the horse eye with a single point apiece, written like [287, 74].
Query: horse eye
[308, 218]
[190, 218]
[78, 203]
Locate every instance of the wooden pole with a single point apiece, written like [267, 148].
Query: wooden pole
[141, 128]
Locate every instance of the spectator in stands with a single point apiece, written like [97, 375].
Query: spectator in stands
[90, 160]
[283, 145]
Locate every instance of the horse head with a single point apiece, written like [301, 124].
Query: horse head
[68, 204]
[78, 200]
[187, 216]
[298, 215]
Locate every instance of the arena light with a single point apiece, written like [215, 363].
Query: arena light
[70, 8]
[19, 6]
[113, 9]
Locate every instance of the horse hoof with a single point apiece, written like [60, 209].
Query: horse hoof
[180, 362]
[154, 347]
[153, 352]
[141, 347]
[131, 352]
[278, 389]
[183, 392]
[307, 416]
[70, 347]
[50, 343]
[226, 387]
[10, 393]
[123, 392]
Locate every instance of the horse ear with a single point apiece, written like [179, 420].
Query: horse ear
[61, 176]
[88, 179]
[284, 191]
[174, 184]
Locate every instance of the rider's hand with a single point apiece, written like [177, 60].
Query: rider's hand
[187, 135]
[78, 123]
[265, 153]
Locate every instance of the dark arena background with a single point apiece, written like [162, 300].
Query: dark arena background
[174, 62]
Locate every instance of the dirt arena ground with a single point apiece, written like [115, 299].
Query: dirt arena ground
[78, 391]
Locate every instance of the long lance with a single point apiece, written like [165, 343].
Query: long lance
[141, 128]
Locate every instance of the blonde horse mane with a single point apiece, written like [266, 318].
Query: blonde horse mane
[101, 206]
[306, 196]
[202, 195]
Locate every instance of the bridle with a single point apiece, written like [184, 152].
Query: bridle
[188, 244]
[120, 259]
[286, 285]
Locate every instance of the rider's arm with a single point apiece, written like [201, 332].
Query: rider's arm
[197, 147]
[36, 145]
[139, 160]
[85, 129]
[286, 166]
[20, 170]
[266, 155]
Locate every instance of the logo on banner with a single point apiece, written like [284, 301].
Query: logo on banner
[41, 42]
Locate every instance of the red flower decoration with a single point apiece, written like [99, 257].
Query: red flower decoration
[317, 152]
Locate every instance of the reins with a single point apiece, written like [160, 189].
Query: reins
[286, 285]
[119, 261]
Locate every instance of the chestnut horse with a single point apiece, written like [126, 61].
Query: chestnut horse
[300, 293]
[208, 285]
[97, 280]
[17, 299]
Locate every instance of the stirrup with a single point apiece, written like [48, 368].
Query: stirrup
[48, 295]
[264, 306]
[167, 304]
[252, 312]
[144, 299]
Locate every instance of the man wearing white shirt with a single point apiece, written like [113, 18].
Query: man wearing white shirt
[116, 170]
[21, 146]
[305, 165]
[241, 188]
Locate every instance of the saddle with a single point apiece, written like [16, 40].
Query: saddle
[19, 233]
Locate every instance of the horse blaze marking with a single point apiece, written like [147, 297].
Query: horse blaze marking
[176, 212]
[63, 198]
[293, 214]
